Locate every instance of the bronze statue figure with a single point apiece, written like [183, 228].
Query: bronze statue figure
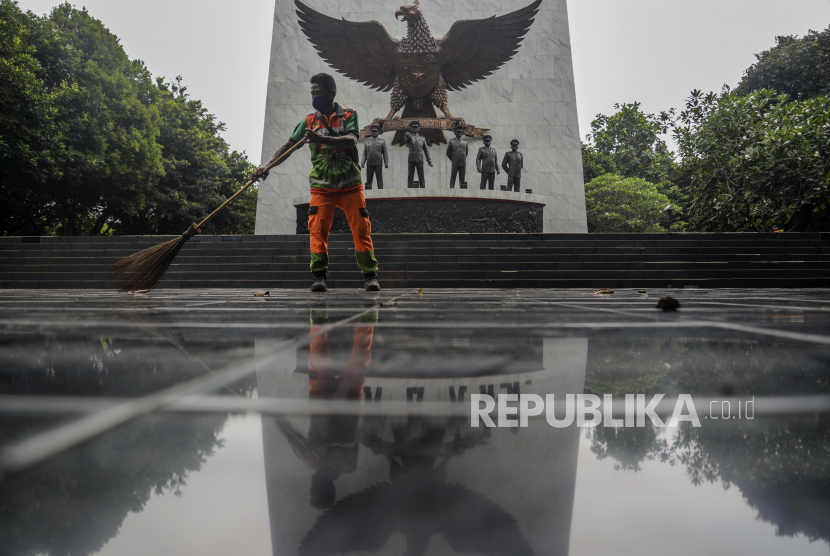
[417, 152]
[419, 69]
[487, 164]
[512, 164]
[374, 153]
[457, 152]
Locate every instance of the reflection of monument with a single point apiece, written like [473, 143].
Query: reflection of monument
[530, 97]
[424, 486]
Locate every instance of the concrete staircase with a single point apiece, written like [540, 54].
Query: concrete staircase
[515, 261]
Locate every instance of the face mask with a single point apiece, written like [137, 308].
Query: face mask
[320, 103]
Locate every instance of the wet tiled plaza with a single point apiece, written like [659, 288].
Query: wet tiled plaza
[217, 422]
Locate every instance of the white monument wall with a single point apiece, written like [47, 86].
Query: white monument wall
[531, 98]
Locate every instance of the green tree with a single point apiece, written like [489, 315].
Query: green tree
[628, 143]
[90, 144]
[617, 205]
[30, 135]
[200, 172]
[797, 67]
[756, 161]
[110, 127]
[595, 163]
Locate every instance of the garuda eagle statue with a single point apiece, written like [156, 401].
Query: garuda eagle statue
[419, 69]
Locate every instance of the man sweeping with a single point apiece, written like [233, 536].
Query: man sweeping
[332, 132]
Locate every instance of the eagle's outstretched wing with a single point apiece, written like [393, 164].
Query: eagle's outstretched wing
[475, 48]
[363, 50]
[360, 522]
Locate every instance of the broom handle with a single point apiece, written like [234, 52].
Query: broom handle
[282, 157]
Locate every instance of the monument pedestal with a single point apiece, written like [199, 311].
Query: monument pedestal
[435, 211]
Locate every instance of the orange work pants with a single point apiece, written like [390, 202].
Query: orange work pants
[320, 218]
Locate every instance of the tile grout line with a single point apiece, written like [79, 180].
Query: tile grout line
[28, 453]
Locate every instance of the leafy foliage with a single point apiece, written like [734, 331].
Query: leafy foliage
[595, 163]
[200, 172]
[75, 504]
[90, 144]
[797, 67]
[616, 205]
[628, 143]
[756, 161]
[779, 465]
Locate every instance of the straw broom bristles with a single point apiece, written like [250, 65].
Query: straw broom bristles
[143, 270]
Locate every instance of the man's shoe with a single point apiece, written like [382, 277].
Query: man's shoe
[371, 283]
[319, 284]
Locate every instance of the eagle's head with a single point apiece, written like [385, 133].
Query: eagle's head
[410, 13]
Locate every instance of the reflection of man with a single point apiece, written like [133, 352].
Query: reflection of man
[335, 178]
[487, 164]
[417, 152]
[512, 164]
[374, 153]
[457, 151]
[331, 448]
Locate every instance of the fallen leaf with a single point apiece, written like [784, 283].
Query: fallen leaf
[421, 292]
[668, 303]
[262, 294]
[603, 291]
[642, 291]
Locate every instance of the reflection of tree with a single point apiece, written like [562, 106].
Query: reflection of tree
[782, 468]
[76, 503]
[630, 446]
[417, 502]
[70, 365]
[705, 367]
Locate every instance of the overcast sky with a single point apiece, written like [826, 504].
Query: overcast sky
[652, 51]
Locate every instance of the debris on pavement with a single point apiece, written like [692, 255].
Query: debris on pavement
[668, 303]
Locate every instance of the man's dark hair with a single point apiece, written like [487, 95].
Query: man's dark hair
[414, 123]
[324, 80]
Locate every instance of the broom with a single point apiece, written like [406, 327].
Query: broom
[143, 270]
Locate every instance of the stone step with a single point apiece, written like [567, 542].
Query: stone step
[407, 260]
[468, 273]
[483, 256]
[414, 283]
[545, 250]
[516, 264]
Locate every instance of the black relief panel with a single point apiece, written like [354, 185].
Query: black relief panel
[436, 216]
